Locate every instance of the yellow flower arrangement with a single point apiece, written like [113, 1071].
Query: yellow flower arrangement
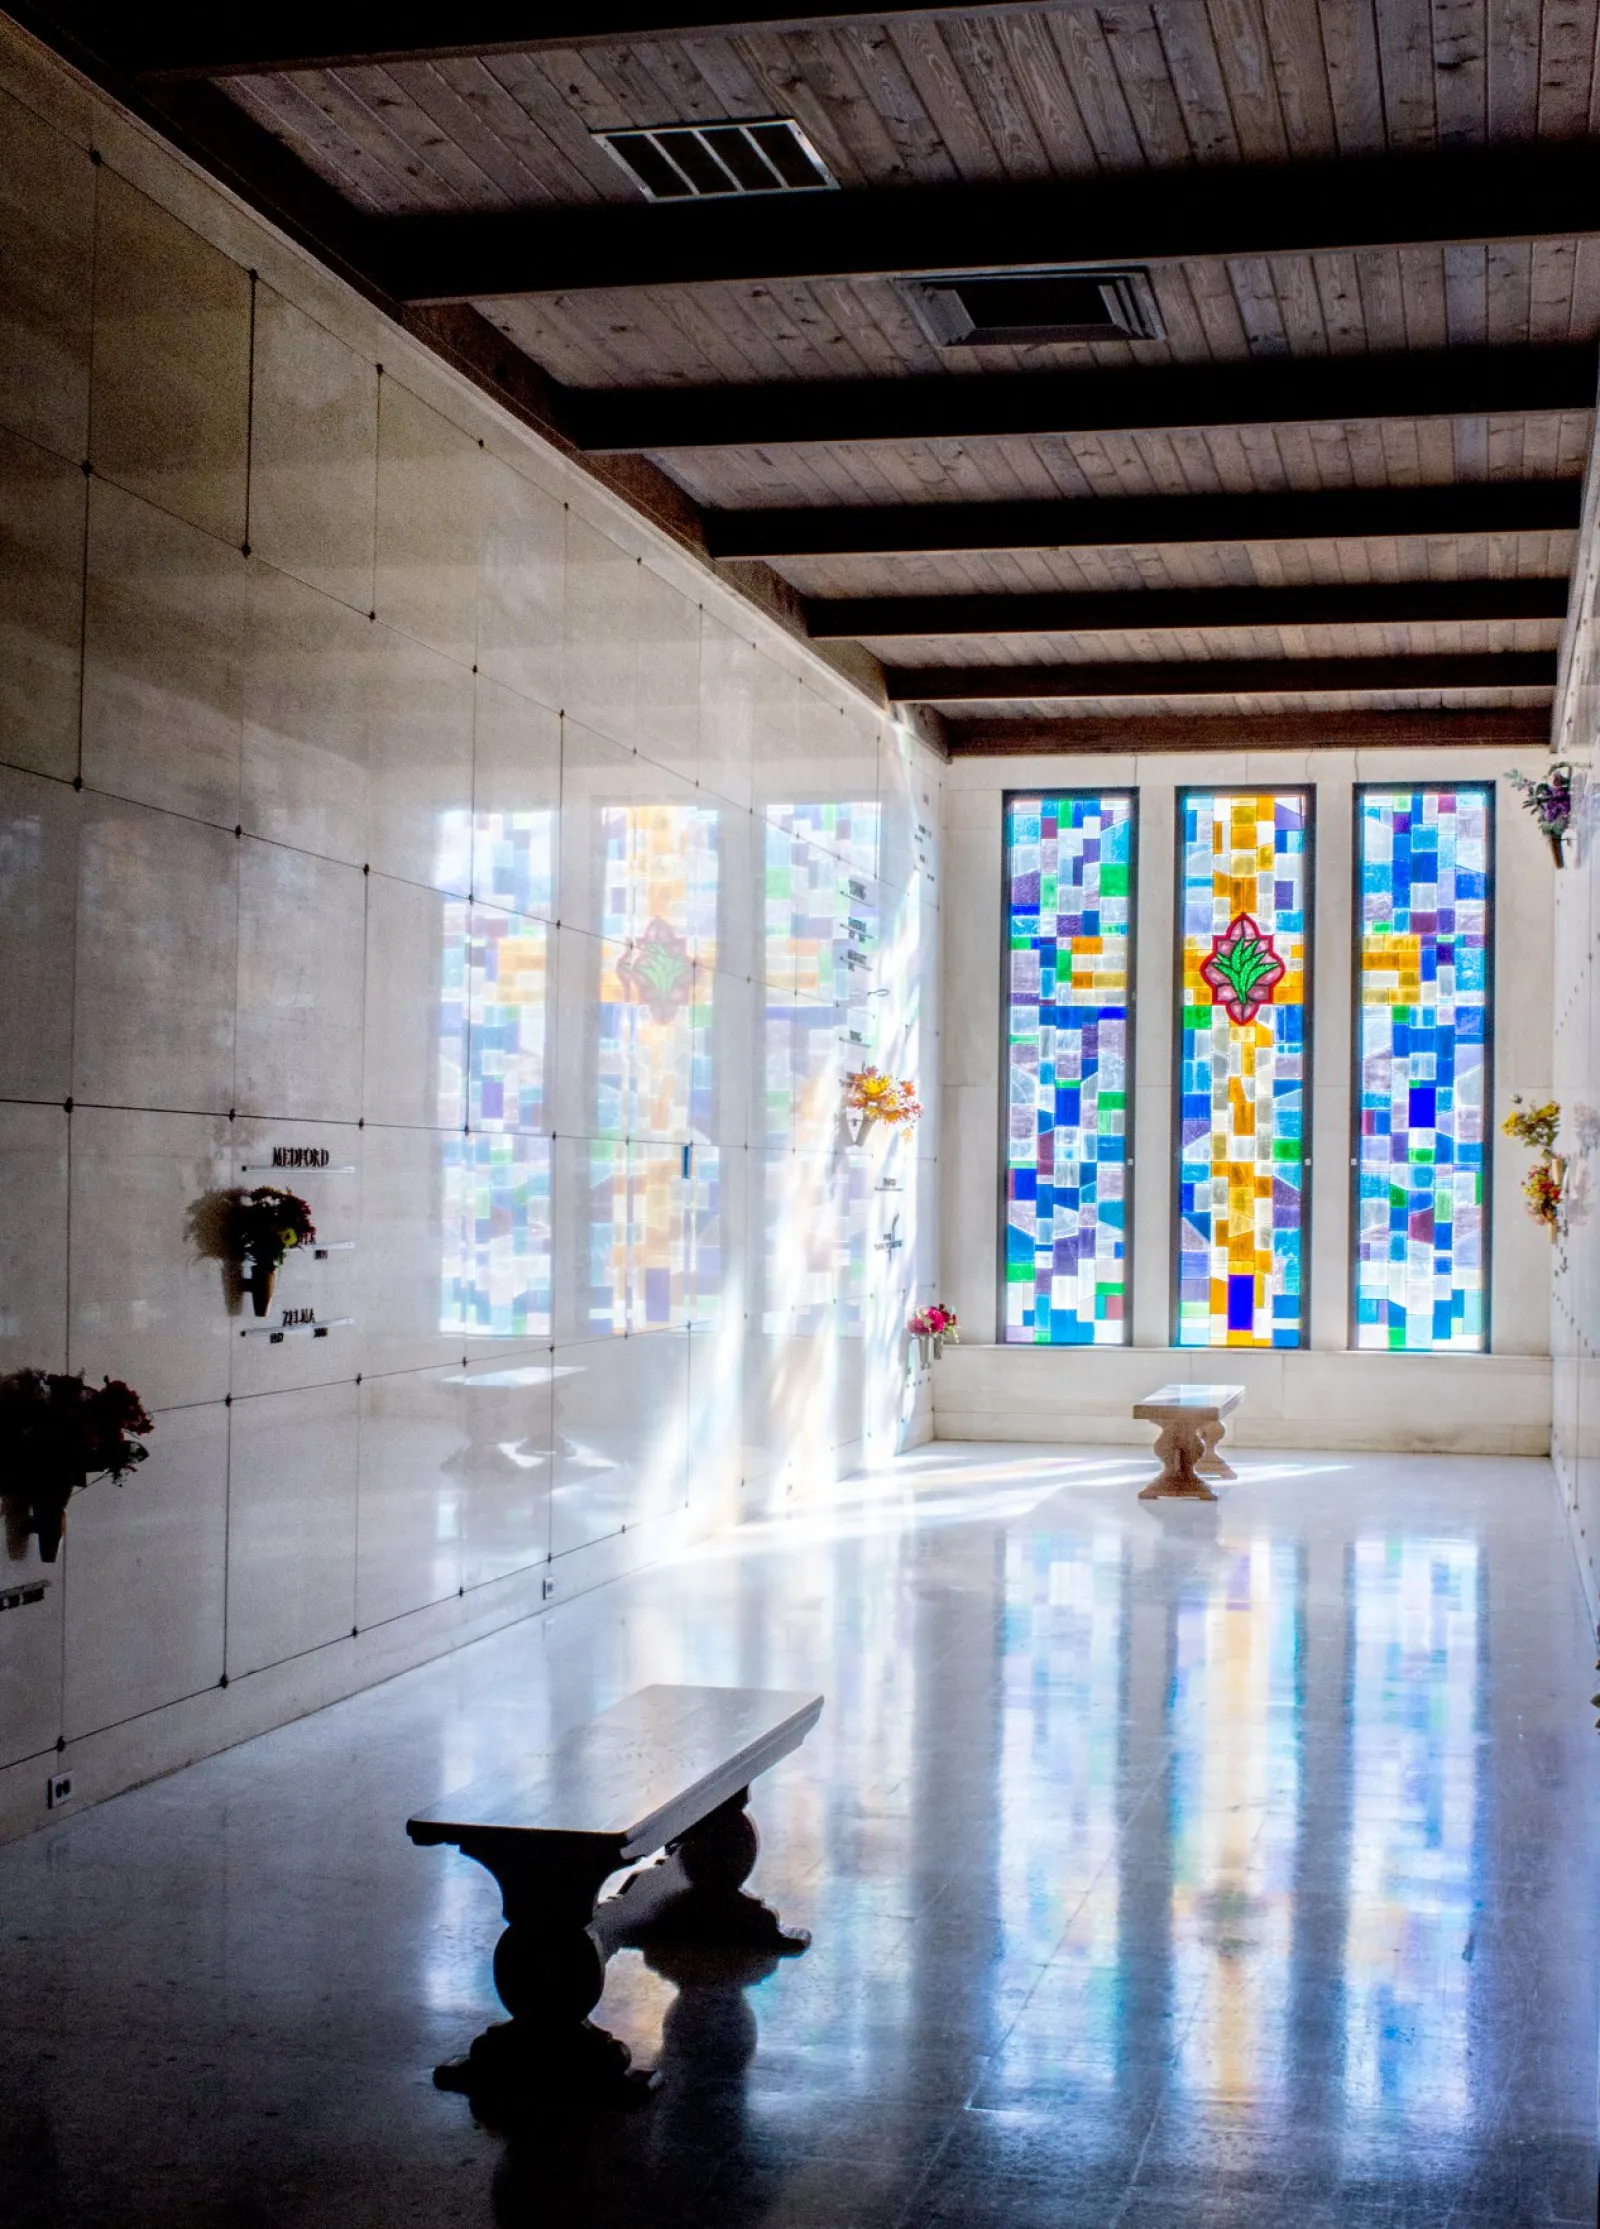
[880, 1098]
[1545, 1183]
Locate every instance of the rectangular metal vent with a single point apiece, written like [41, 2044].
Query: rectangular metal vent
[1025, 307]
[687, 162]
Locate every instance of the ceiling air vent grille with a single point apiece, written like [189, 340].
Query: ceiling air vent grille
[1022, 308]
[694, 162]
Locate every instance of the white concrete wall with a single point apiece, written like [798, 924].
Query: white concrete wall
[292, 618]
[1322, 1396]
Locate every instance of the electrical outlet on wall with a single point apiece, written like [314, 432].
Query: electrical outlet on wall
[58, 1790]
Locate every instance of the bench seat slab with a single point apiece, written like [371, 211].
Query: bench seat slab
[667, 1768]
[1190, 1424]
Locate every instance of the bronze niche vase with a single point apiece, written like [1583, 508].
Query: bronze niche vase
[1556, 838]
[48, 1513]
[260, 1280]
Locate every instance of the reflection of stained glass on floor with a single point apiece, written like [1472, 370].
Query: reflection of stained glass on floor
[659, 919]
[1423, 1018]
[1063, 1675]
[1242, 1061]
[1414, 1733]
[1069, 867]
[1235, 1725]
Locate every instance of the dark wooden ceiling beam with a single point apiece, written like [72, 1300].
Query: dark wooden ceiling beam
[1165, 398]
[1220, 677]
[177, 43]
[1458, 728]
[1546, 191]
[1143, 610]
[1125, 522]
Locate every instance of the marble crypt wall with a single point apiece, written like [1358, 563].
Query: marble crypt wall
[371, 782]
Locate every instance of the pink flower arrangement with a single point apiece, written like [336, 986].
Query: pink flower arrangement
[935, 1322]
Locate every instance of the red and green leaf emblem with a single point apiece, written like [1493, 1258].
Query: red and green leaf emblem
[1243, 970]
[657, 971]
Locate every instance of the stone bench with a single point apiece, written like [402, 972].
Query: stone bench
[1190, 1418]
[667, 1769]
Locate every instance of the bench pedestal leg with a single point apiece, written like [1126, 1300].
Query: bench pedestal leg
[694, 1894]
[1210, 1463]
[1178, 1445]
[549, 1969]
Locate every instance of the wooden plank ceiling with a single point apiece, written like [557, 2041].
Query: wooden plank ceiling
[1347, 477]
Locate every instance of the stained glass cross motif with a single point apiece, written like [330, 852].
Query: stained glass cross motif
[1242, 1067]
[1422, 1036]
[1069, 868]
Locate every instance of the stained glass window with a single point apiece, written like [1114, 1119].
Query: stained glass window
[1243, 869]
[1069, 892]
[1421, 1054]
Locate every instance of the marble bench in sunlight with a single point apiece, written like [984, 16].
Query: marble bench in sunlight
[668, 1769]
[1190, 1421]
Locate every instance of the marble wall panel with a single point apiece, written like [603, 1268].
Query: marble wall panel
[516, 802]
[163, 640]
[291, 1524]
[419, 765]
[310, 687]
[522, 587]
[413, 1474]
[156, 959]
[149, 1298]
[170, 403]
[33, 1237]
[31, 1663]
[326, 1279]
[621, 1442]
[39, 828]
[42, 503]
[430, 530]
[147, 1568]
[47, 190]
[302, 926]
[668, 623]
[507, 1409]
[730, 670]
[313, 453]
[601, 676]
[413, 1066]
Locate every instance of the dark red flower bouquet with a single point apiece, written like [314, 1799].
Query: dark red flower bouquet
[56, 1433]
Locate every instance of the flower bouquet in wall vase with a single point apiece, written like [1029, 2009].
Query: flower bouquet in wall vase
[262, 1227]
[1544, 1186]
[57, 1433]
[1550, 802]
[931, 1327]
[870, 1096]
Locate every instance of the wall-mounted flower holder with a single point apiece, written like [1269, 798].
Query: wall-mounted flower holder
[1550, 802]
[57, 1434]
[1544, 1186]
[260, 1228]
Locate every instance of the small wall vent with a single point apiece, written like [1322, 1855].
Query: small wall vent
[688, 162]
[1022, 308]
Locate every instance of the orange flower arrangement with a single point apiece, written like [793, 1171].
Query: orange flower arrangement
[880, 1098]
[1544, 1186]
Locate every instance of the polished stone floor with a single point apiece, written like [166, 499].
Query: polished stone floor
[1166, 1865]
